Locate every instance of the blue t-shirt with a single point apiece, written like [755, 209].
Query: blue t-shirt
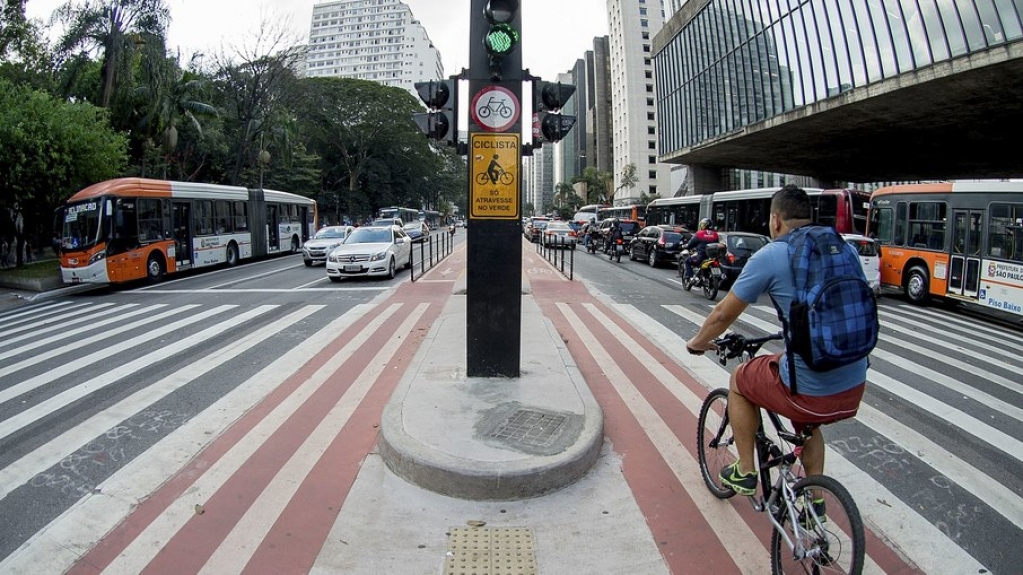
[769, 270]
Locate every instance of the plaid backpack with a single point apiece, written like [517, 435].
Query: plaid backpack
[832, 320]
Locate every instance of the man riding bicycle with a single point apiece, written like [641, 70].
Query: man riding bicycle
[824, 396]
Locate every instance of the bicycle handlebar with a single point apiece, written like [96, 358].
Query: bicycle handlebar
[733, 345]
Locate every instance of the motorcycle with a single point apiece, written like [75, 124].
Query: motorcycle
[451, 229]
[707, 274]
[596, 242]
[617, 251]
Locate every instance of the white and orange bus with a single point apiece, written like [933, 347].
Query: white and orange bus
[962, 241]
[748, 210]
[132, 228]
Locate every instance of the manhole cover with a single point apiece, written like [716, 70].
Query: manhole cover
[490, 551]
[530, 427]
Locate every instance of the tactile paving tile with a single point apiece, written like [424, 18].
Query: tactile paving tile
[490, 551]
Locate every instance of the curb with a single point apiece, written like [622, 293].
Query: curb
[495, 474]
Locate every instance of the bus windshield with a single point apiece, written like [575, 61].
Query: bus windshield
[82, 225]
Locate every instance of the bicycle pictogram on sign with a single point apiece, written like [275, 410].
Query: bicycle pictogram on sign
[495, 174]
[495, 109]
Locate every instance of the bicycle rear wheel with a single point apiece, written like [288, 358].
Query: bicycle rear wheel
[833, 541]
[714, 441]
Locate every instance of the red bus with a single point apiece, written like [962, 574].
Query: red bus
[134, 228]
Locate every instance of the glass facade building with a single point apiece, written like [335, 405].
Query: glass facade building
[732, 63]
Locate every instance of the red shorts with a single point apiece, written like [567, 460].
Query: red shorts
[758, 380]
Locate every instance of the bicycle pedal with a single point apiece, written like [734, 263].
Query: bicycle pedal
[758, 504]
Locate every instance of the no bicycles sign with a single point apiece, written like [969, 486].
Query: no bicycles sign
[495, 109]
[495, 176]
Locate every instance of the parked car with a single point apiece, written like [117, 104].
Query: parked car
[658, 244]
[559, 234]
[417, 230]
[739, 246]
[371, 251]
[870, 258]
[327, 238]
[534, 229]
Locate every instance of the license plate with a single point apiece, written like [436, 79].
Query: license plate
[353, 268]
[716, 272]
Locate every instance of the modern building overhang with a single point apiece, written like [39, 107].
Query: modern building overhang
[960, 118]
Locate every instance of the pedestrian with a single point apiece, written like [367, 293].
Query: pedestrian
[28, 251]
[5, 249]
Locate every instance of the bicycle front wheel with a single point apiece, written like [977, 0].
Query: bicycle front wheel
[826, 528]
[714, 442]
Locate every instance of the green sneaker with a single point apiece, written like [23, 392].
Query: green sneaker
[741, 484]
[806, 521]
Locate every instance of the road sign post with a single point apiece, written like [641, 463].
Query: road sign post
[494, 258]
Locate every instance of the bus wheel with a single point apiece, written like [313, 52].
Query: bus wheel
[232, 254]
[155, 269]
[294, 245]
[918, 286]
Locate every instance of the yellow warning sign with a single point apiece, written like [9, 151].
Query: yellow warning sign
[495, 176]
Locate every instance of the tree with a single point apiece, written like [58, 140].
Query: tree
[565, 199]
[628, 181]
[598, 185]
[372, 153]
[51, 150]
[118, 29]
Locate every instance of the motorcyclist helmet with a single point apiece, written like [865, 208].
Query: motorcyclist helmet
[615, 222]
[705, 223]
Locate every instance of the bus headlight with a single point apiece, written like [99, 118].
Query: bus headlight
[100, 255]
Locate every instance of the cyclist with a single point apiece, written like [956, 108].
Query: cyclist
[824, 396]
[613, 235]
[704, 236]
[494, 170]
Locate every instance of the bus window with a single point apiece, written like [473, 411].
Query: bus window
[900, 224]
[125, 223]
[150, 220]
[825, 210]
[1005, 232]
[927, 225]
[241, 219]
[223, 216]
[204, 217]
[881, 225]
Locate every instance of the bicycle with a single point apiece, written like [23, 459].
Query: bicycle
[821, 538]
[483, 178]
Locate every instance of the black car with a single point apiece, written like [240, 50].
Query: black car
[739, 246]
[658, 244]
[629, 230]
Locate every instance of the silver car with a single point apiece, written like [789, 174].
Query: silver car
[370, 251]
[316, 249]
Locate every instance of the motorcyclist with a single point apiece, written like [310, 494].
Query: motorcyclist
[614, 235]
[697, 245]
[588, 229]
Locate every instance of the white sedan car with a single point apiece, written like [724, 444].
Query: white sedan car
[326, 239]
[370, 251]
[869, 259]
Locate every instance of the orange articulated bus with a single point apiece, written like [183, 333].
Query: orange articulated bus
[962, 241]
[134, 228]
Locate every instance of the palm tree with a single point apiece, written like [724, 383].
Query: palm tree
[115, 28]
[171, 96]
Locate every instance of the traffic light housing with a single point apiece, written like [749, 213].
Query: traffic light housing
[440, 122]
[549, 124]
[502, 37]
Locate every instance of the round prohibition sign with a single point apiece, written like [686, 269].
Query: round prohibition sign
[495, 109]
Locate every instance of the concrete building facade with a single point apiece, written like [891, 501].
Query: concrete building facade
[597, 109]
[377, 40]
[632, 25]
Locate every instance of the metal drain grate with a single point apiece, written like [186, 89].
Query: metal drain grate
[530, 427]
[490, 551]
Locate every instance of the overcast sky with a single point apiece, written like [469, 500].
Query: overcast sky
[555, 32]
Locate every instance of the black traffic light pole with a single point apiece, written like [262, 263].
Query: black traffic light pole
[494, 265]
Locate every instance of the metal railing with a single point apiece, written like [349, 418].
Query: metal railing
[434, 248]
[555, 252]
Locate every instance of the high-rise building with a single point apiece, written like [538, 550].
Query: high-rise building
[376, 40]
[598, 107]
[632, 25]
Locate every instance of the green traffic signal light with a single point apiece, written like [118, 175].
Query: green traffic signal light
[501, 39]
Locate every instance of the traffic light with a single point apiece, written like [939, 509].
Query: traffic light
[549, 124]
[502, 35]
[440, 122]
